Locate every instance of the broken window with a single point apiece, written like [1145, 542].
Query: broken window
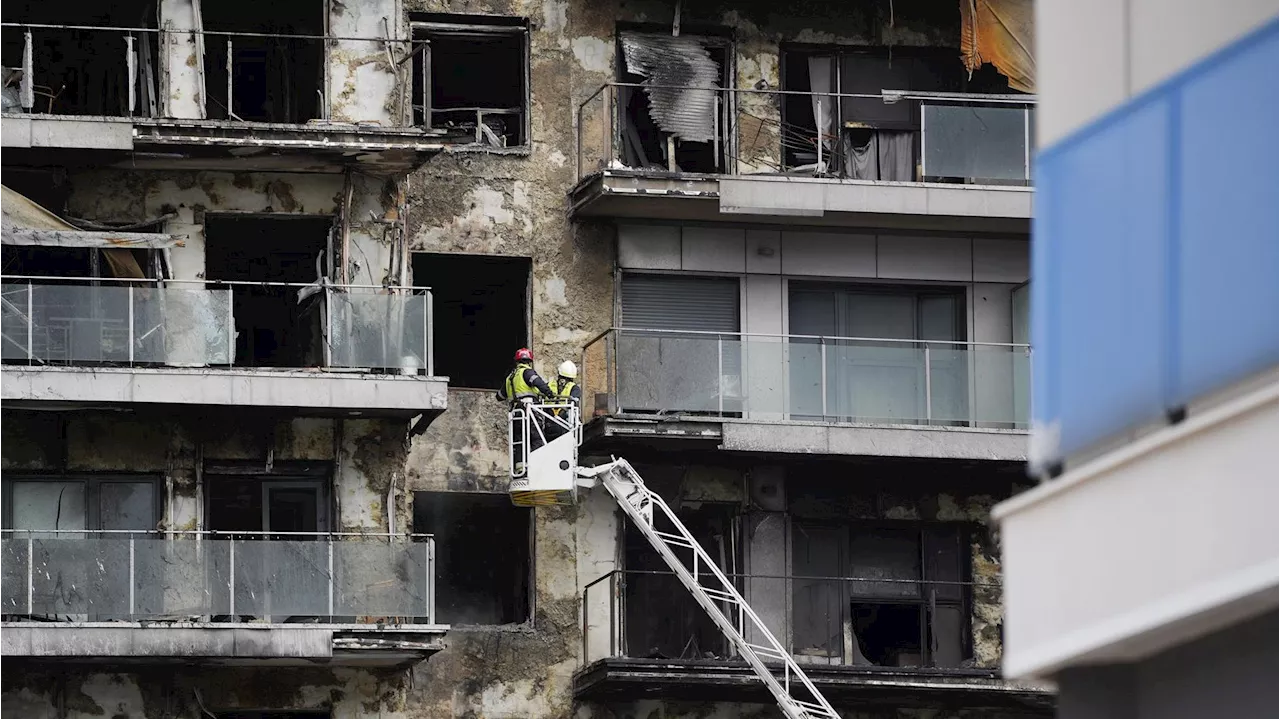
[274, 328]
[470, 77]
[81, 502]
[881, 596]
[483, 559]
[481, 314]
[865, 137]
[275, 73]
[679, 121]
[662, 619]
[105, 71]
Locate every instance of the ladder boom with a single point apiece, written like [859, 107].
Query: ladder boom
[795, 693]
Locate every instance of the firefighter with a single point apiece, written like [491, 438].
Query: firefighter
[566, 391]
[524, 387]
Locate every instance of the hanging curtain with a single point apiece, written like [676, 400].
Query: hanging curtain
[886, 156]
[821, 80]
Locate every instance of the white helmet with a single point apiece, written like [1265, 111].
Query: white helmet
[568, 369]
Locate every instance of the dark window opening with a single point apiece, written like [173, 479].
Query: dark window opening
[903, 601]
[470, 77]
[889, 634]
[663, 621]
[273, 328]
[866, 138]
[483, 559]
[276, 504]
[83, 72]
[674, 127]
[273, 79]
[481, 314]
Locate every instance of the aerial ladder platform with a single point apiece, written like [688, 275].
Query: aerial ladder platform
[544, 440]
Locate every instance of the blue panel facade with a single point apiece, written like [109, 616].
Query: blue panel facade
[1155, 252]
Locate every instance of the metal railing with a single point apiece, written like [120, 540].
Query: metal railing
[125, 575]
[961, 138]
[124, 73]
[82, 320]
[813, 617]
[807, 378]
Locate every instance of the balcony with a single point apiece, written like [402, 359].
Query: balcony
[881, 643]
[332, 351]
[808, 394]
[86, 86]
[286, 598]
[966, 166]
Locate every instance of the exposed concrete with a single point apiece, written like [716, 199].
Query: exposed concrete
[897, 441]
[308, 392]
[181, 65]
[299, 644]
[364, 86]
[66, 132]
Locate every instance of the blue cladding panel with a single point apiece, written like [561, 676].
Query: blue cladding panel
[1155, 252]
[1110, 211]
[1227, 222]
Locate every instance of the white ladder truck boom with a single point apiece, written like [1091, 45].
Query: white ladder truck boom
[554, 478]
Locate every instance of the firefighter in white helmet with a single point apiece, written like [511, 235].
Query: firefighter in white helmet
[564, 390]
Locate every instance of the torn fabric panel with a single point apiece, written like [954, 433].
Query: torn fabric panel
[675, 65]
[1000, 32]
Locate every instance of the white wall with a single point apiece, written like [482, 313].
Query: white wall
[1093, 55]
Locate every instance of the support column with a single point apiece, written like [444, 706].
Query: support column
[182, 61]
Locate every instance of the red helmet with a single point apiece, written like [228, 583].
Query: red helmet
[524, 354]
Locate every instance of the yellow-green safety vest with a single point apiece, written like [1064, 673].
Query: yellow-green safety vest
[563, 389]
[516, 387]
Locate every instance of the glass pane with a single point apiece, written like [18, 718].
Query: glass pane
[885, 554]
[182, 326]
[281, 579]
[876, 316]
[180, 578]
[377, 330]
[868, 382]
[380, 579]
[127, 505]
[81, 576]
[49, 505]
[14, 323]
[976, 143]
[946, 639]
[13, 576]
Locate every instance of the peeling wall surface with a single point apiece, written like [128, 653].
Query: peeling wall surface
[460, 201]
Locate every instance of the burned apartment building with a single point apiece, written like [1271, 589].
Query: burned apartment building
[265, 263]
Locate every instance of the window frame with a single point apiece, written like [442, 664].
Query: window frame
[423, 27]
[92, 484]
[963, 532]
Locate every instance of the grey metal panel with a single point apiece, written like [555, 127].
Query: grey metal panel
[1001, 260]
[15, 132]
[828, 254]
[924, 258]
[712, 249]
[649, 247]
[666, 60]
[672, 302]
